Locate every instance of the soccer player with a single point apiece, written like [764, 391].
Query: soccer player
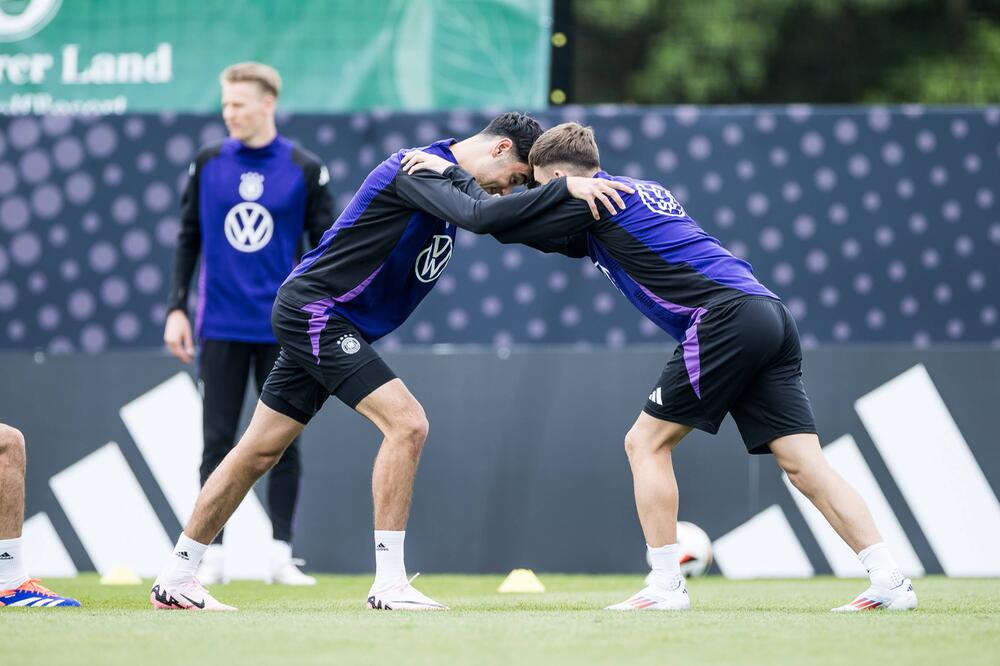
[17, 588]
[247, 203]
[372, 268]
[739, 353]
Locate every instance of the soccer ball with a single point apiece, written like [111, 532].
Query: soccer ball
[695, 549]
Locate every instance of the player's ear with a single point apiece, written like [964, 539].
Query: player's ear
[501, 147]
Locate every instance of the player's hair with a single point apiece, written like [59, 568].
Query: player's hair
[265, 76]
[520, 128]
[568, 143]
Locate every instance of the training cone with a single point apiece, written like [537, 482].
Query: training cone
[521, 581]
[120, 575]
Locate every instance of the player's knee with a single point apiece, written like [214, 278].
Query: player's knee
[12, 448]
[410, 429]
[806, 480]
[262, 461]
[641, 442]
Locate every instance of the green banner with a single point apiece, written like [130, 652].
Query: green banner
[113, 56]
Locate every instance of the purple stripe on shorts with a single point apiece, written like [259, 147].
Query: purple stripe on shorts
[317, 322]
[692, 353]
[692, 350]
[320, 310]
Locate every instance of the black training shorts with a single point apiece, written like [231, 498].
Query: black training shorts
[744, 358]
[320, 356]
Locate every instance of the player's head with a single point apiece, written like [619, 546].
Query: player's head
[568, 149]
[498, 155]
[249, 95]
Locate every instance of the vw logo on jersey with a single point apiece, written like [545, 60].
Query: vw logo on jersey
[251, 186]
[249, 226]
[433, 258]
[34, 15]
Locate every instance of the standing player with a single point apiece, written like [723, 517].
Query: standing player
[371, 269]
[739, 353]
[247, 203]
[17, 588]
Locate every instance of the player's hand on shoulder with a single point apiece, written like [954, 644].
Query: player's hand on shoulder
[178, 337]
[593, 190]
[415, 160]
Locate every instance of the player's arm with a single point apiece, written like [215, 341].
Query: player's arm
[437, 195]
[547, 230]
[177, 333]
[319, 204]
[575, 246]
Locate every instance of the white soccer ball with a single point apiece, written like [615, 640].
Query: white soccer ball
[695, 549]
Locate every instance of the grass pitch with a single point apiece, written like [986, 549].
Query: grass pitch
[753, 622]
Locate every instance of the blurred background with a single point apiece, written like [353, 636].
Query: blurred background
[848, 149]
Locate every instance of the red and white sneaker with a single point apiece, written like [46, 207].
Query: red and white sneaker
[653, 597]
[189, 595]
[898, 598]
[402, 596]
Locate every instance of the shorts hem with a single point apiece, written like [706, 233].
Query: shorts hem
[704, 426]
[763, 448]
[363, 382]
[282, 406]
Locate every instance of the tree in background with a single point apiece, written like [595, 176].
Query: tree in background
[762, 51]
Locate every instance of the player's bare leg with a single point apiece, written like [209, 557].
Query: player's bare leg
[394, 411]
[260, 447]
[801, 457]
[17, 588]
[12, 467]
[649, 446]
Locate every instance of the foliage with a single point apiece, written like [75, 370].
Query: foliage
[780, 51]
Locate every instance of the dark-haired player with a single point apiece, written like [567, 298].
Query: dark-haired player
[739, 353]
[371, 269]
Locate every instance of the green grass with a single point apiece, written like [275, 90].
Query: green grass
[752, 622]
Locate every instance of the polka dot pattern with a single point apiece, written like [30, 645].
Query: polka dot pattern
[873, 224]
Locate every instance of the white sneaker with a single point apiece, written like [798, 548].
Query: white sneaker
[189, 595]
[653, 597]
[900, 597]
[401, 595]
[212, 569]
[290, 574]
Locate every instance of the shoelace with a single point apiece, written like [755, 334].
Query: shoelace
[35, 585]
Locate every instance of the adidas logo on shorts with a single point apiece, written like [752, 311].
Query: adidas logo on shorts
[657, 396]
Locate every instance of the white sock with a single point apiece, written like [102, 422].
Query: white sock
[882, 568]
[389, 566]
[183, 561]
[13, 568]
[666, 564]
[281, 553]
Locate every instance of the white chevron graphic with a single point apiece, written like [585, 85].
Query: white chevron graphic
[45, 550]
[931, 463]
[845, 457]
[165, 424]
[935, 470]
[110, 513]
